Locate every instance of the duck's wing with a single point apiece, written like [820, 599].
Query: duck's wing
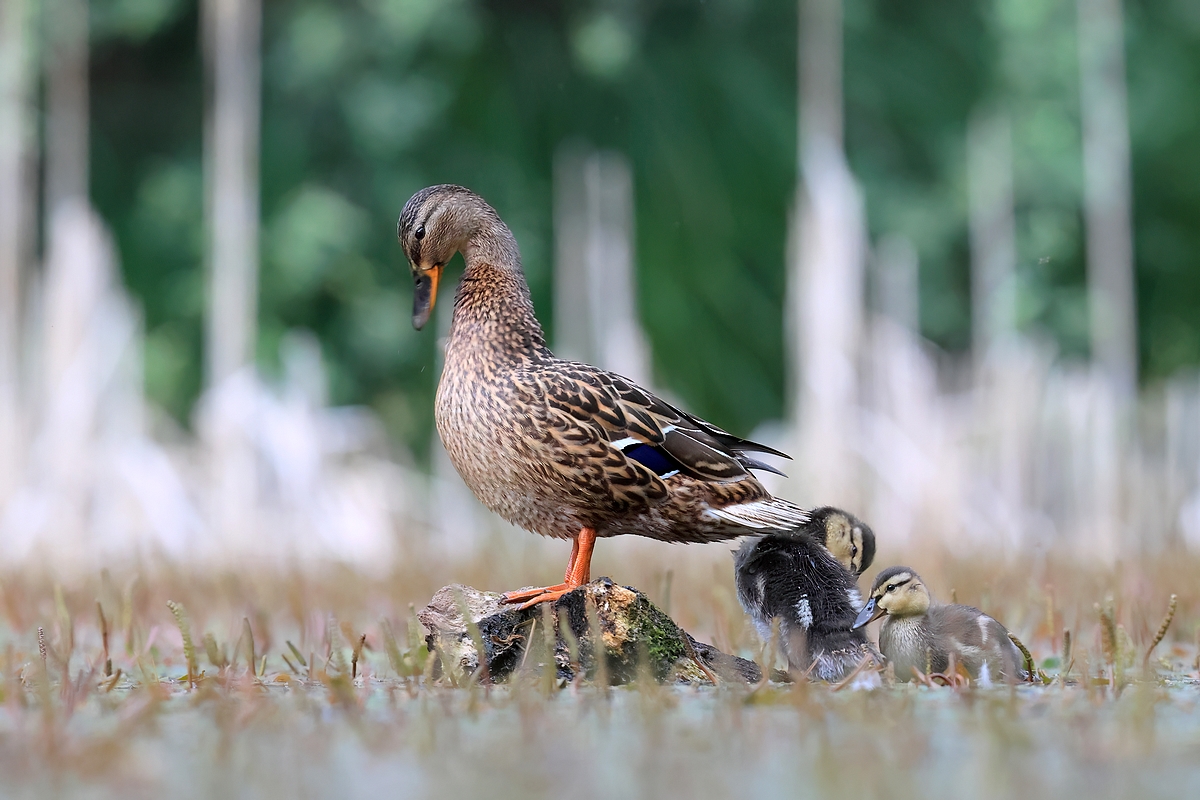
[607, 434]
[632, 416]
[979, 638]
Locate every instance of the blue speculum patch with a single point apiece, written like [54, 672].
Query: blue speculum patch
[651, 457]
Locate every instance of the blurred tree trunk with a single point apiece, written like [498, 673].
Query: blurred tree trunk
[75, 271]
[231, 47]
[1001, 380]
[1108, 192]
[66, 64]
[13, 225]
[992, 231]
[595, 295]
[231, 32]
[825, 281]
[1108, 218]
[66, 200]
[84, 349]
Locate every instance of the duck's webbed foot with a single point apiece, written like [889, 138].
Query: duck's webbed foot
[579, 572]
[521, 595]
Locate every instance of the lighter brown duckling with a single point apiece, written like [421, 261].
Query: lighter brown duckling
[919, 634]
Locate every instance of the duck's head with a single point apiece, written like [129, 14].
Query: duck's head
[436, 223]
[897, 592]
[849, 539]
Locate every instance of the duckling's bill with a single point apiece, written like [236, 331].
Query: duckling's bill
[870, 612]
[425, 288]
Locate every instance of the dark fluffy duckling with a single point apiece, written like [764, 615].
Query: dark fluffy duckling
[918, 633]
[806, 579]
[850, 540]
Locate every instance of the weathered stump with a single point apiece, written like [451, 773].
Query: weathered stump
[635, 636]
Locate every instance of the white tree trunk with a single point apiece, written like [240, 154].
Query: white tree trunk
[232, 31]
[595, 297]
[992, 230]
[1108, 192]
[66, 64]
[14, 227]
[825, 282]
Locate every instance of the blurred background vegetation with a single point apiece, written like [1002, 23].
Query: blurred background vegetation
[366, 101]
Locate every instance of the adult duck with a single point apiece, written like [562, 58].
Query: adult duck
[557, 447]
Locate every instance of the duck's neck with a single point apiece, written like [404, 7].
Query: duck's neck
[909, 634]
[493, 312]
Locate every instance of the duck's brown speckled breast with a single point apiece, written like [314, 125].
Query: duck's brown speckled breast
[479, 420]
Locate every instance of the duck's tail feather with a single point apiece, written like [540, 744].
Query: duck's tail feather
[765, 516]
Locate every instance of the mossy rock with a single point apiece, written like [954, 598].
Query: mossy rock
[636, 637]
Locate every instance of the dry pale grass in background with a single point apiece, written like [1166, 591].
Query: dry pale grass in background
[154, 681]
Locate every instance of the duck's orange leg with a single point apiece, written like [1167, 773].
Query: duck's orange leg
[579, 572]
[521, 595]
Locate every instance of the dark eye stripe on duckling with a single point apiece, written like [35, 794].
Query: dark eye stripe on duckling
[897, 584]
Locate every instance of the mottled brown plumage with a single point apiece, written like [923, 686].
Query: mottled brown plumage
[558, 447]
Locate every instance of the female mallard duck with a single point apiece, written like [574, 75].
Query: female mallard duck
[806, 580]
[919, 634]
[556, 447]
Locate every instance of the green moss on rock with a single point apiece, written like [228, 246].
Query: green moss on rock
[634, 635]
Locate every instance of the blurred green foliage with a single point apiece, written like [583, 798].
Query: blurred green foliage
[366, 101]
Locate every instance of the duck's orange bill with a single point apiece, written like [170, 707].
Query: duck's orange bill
[424, 294]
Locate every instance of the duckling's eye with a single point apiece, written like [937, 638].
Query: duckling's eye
[891, 587]
[419, 233]
[853, 550]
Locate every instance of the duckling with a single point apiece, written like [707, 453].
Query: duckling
[807, 580]
[850, 540]
[918, 633]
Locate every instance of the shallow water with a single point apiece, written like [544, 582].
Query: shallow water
[253, 739]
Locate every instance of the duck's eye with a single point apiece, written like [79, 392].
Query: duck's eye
[853, 550]
[419, 233]
[891, 587]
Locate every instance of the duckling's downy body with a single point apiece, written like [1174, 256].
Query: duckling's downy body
[806, 580]
[561, 448]
[917, 633]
